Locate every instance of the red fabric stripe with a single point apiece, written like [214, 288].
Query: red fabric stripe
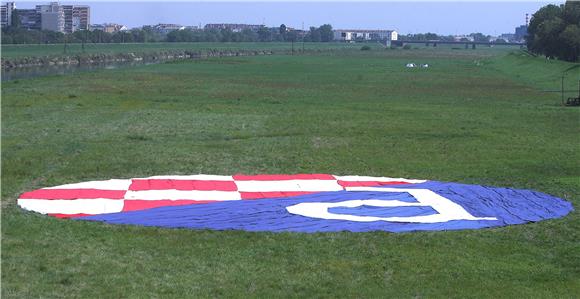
[135, 205]
[260, 195]
[367, 183]
[283, 177]
[161, 184]
[68, 215]
[73, 194]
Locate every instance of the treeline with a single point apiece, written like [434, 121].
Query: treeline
[477, 37]
[13, 35]
[275, 34]
[147, 34]
[554, 31]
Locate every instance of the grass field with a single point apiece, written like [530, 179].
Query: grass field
[474, 117]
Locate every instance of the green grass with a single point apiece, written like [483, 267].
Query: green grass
[349, 112]
[540, 72]
[15, 51]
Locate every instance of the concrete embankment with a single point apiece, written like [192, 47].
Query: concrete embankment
[79, 59]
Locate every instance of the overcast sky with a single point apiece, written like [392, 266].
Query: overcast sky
[492, 18]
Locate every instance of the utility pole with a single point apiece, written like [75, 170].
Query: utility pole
[65, 45]
[84, 41]
[562, 92]
[303, 35]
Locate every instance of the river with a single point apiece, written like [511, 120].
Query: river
[47, 70]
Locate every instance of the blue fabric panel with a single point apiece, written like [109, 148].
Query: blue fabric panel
[509, 206]
[384, 211]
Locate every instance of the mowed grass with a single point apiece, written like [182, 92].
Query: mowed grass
[16, 51]
[464, 119]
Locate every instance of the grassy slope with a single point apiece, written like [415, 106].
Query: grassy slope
[361, 113]
[544, 74]
[13, 51]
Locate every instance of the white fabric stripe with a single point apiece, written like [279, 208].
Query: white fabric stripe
[103, 185]
[78, 206]
[447, 209]
[320, 209]
[199, 177]
[180, 194]
[356, 178]
[289, 186]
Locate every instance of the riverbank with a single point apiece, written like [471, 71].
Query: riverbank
[28, 50]
[89, 59]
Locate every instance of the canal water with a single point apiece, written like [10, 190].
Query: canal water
[48, 70]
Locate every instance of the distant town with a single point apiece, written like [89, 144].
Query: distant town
[71, 19]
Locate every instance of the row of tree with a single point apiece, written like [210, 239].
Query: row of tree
[16, 35]
[554, 31]
[478, 37]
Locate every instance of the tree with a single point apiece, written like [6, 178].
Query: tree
[480, 37]
[570, 37]
[226, 35]
[6, 39]
[212, 35]
[326, 34]
[431, 36]
[313, 35]
[249, 35]
[282, 31]
[264, 34]
[152, 34]
[292, 36]
[140, 35]
[553, 31]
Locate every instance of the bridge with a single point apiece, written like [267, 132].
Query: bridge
[473, 44]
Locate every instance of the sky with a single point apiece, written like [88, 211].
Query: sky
[491, 17]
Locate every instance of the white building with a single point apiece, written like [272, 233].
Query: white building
[76, 17]
[166, 28]
[108, 27]
[364, 35]
[462, 38]
[51, 17]
[6, 14]
[234, 27]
